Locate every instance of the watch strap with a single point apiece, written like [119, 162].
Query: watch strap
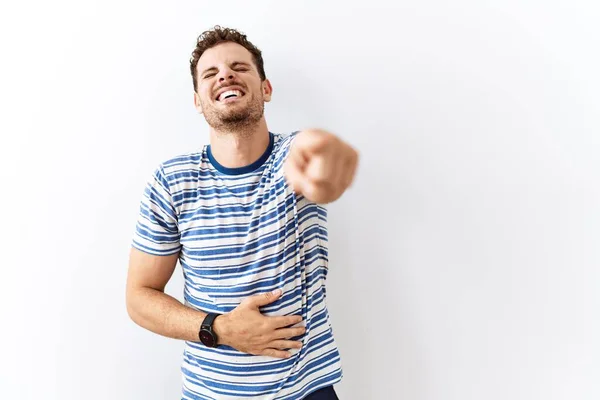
[208, 320]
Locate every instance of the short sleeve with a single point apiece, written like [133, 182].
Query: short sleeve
[157, 230]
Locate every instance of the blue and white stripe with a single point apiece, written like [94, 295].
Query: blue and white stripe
[240, 232]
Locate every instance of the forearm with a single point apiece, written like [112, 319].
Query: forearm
[163, 314]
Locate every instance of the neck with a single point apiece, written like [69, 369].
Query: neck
[238, 149]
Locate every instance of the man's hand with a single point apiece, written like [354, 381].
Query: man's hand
[320, 166]
[249, 331]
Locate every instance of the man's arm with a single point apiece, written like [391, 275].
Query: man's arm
[320, 166]
[244, 328]
[147, 303]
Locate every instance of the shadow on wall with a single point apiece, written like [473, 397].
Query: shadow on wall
[368, 286]
[369, 292]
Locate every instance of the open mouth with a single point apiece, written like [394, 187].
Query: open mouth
[230, 94]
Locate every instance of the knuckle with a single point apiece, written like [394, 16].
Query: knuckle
[323, 138]
[245, 302]
[263, 327]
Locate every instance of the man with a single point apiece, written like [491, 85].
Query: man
[245, 217]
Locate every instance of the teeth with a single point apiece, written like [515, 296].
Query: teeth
[224, 95]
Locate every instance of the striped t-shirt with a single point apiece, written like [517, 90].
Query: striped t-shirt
[240, 232]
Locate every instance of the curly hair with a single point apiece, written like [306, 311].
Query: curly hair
[216, 35]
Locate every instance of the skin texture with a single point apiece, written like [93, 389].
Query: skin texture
[320, 166]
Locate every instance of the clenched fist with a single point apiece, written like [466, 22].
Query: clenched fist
[320, 166]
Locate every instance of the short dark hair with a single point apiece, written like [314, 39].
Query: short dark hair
[216, 35]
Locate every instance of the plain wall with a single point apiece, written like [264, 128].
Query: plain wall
[464, 261]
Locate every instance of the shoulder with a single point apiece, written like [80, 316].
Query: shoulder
[284, 139]
[180, 166]
[182, 162]
[283, 142]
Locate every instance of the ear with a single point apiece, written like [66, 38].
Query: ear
[267, 90]
[197, 103]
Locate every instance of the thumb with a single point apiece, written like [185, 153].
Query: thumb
[263, 299]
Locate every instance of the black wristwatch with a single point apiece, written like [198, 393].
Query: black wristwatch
[207, 335]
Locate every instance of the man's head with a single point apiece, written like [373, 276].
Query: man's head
[230, 85]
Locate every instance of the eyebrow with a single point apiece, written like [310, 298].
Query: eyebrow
[233, 65]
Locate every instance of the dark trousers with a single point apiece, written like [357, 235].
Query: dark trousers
[326, 393]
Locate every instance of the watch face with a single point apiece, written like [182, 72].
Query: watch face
[207, 338]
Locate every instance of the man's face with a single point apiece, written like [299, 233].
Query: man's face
[230, 92]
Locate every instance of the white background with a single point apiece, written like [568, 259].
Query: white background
[464, 260]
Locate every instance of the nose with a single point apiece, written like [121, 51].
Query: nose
[226, 74]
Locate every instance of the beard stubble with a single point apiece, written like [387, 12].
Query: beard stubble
[240, 121]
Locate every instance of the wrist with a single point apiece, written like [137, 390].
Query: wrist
[221, 329]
